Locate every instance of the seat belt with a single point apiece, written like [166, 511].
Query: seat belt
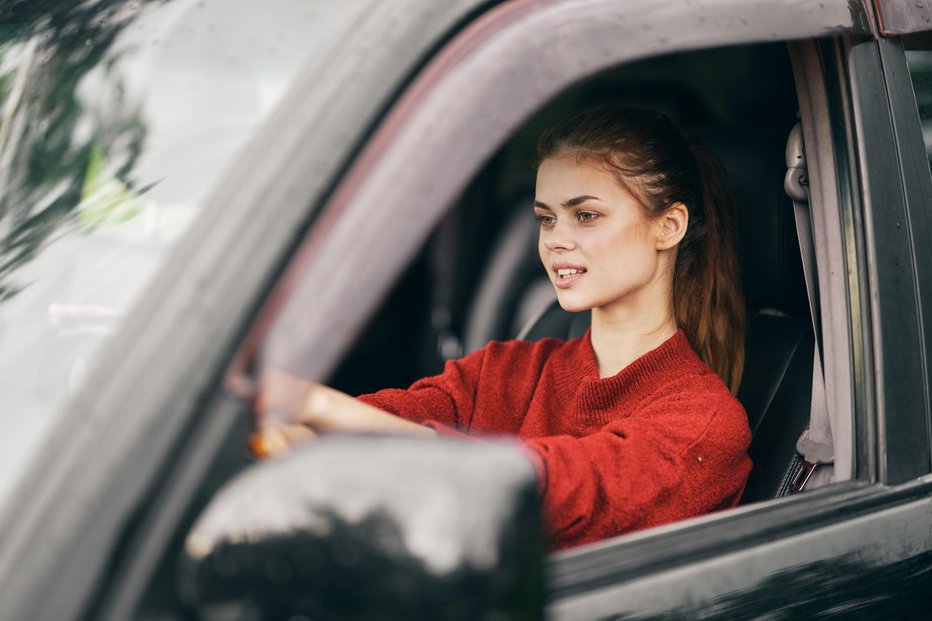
[815, 444]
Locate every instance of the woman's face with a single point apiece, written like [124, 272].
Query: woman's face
[597, 245]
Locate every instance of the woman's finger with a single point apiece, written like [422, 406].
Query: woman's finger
[276, 441]
[268, 443]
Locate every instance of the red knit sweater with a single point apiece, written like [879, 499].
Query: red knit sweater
[662, 440]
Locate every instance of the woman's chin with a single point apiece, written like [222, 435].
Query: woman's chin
[572, 306]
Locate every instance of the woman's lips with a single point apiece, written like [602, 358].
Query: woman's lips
[567, 281]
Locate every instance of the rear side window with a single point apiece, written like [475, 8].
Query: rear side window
[919, 62]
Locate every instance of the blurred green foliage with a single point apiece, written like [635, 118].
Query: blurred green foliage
[47, 156]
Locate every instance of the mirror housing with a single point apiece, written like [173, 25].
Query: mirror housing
[372, 527]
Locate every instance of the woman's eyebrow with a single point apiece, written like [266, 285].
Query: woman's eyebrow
[573, 202]
[580, 200]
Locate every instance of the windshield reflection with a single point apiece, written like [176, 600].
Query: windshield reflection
[47, 49]
[117, 118]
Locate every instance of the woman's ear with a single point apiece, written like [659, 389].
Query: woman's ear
[671, 226]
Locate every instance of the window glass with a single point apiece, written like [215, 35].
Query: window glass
[116, 120]
[920, 72]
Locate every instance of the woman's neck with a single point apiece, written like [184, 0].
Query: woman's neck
[618, 340]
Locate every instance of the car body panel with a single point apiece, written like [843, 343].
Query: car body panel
[865, 566]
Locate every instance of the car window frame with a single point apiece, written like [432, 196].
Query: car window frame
[917, 181]
[637, 553]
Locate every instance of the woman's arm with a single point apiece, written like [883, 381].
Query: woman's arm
[447, 398]
[291, 410]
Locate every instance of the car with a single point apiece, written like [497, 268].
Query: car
[196, 190]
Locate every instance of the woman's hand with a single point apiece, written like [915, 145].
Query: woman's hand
[291, 410]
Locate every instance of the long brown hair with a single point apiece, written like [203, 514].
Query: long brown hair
[651, 159]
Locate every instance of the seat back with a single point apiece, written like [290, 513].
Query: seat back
[775, 392]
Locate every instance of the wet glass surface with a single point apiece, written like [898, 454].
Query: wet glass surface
[117, 119]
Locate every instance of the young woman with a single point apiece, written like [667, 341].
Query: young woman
[635, 424]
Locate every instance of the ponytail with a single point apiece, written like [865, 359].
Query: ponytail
[707, 290]
[651, 159]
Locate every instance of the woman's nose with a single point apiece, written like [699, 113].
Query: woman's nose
[557, 238]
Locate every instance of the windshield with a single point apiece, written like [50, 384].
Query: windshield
[117, 118]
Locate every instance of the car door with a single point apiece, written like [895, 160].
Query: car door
[803, 555]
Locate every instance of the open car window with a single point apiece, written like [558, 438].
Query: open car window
[388, 205]
[387, 196]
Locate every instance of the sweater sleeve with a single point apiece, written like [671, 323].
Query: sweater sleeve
[442, 401]
[677, 458]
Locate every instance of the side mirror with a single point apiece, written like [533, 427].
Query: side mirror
[372, 527]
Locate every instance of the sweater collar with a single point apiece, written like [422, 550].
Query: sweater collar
[670, 361]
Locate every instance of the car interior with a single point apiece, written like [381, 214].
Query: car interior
[479, 278]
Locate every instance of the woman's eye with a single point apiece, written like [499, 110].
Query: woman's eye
[586, 216]
[545, 219]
